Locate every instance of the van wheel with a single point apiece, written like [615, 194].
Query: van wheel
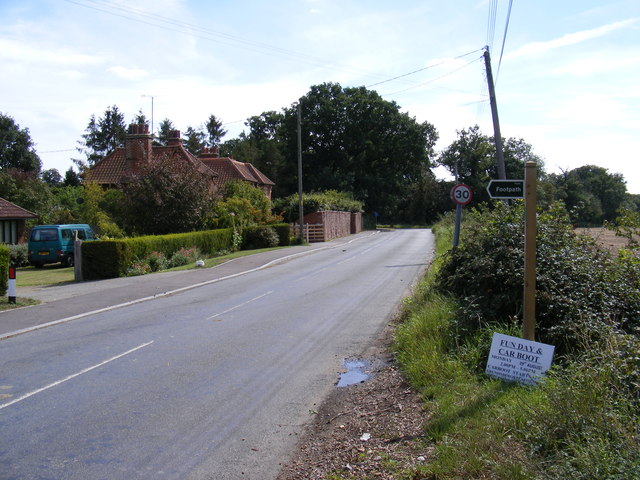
[68, 261]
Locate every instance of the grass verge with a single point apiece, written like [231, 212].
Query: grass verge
[20, 302]
[577, 424]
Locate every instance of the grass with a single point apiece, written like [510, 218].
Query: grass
[20, 302]
[47, 275]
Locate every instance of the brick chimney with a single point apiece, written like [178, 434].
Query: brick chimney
[138, 146]
[174, 139]
[207, 152]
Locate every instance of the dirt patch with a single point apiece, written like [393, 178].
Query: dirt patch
[369, 430]
[605, 238]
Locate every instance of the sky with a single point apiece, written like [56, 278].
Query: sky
[566, 71]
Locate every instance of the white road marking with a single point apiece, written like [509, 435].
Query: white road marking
[65, 379]
[241, 305]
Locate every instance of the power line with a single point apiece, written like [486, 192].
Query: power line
[421, 69]
[194, 30]
[433, 79]
[504, 38]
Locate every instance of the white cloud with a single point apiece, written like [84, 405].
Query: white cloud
[19, 51]
[128, 73]
[536, 48]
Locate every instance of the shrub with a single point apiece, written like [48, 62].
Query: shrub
[315, 202]
[184, 256]
[138, 268]
[579, 287]
[259, 237]
[157, 261]
[4, 269]
[19, 255]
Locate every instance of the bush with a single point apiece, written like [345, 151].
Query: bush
[4, 269]
[19, 255]
[259, 237]
[184, 256]
[157, 261]
[579, 287]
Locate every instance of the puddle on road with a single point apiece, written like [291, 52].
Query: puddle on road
[355, 373]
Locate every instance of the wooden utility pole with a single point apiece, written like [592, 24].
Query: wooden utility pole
[300, 206]
[502, 175]
[530, 229]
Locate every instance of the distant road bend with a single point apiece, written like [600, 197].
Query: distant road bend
[210, 383]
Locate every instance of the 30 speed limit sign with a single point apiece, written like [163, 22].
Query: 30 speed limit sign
[461, 194]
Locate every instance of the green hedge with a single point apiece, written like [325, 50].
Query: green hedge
[111, 258]
[4, 269]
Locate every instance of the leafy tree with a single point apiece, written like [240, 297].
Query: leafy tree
[165, 197]
[591, 194]
[101, 137]
[214, 130]
[51, 177]
[16, 147]
[242, 205]
[92, 213]
[29, 192]
[471, 160]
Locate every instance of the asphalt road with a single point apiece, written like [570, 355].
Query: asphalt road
[212, 382]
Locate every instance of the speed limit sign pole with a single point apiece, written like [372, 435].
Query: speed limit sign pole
[461, 195]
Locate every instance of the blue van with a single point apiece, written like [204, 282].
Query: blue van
[54, 243]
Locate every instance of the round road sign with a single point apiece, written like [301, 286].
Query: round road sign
[461, 194]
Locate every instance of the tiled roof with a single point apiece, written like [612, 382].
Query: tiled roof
[12, 211]
[113, 168]
[229, 169]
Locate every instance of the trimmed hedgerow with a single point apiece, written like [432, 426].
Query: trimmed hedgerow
[113, 258]
[4, 269]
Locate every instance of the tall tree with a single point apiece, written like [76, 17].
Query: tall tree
[51, 177]
[166, 127]
[591, 194]
[471, 160]
[214, 130]
[101, 137]
[195, 141]
[141, 119]
[16, 147]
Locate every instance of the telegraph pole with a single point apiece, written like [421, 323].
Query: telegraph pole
[494, 114]
[300, 207]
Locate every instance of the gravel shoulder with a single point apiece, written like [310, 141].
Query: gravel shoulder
[369, 430]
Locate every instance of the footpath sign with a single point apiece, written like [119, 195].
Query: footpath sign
[518, 360]
[506, 189]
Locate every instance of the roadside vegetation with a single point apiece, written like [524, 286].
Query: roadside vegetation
[583, 420]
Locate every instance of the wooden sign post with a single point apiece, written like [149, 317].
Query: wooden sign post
[530, 230]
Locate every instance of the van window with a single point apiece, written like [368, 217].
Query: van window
[81, 234]
[66, 235]
[44, 235]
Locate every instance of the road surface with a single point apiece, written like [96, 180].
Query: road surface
[210, 382]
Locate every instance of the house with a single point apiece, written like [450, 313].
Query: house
[118, 166]
[12, 222]
[229, 169]
[115, 169]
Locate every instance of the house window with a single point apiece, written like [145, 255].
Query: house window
[9, 231]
